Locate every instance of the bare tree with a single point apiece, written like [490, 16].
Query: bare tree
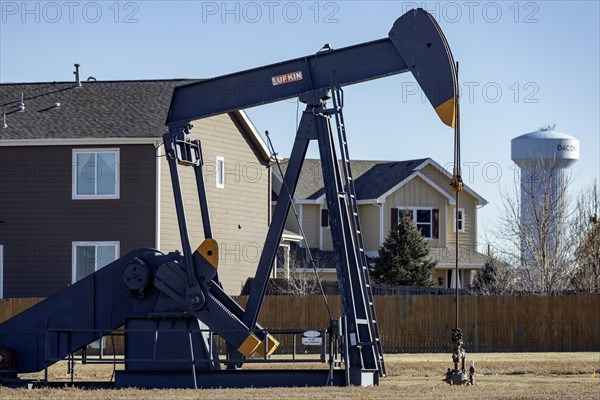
[534, 226]
[301, 278]
[586, 276]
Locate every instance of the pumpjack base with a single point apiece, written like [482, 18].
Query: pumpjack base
[228, 379]
[456, 377]
[18, 383]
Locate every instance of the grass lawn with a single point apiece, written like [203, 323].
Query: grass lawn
[410, 376]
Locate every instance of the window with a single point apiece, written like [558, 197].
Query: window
[96, 174]
[220, 172]
[461, 219]
[89, 257]
[405, 211]
[423, 218]
[325, 218]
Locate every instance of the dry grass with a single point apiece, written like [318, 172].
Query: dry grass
[410, 376]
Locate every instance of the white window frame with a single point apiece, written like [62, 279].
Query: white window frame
[74, 246]
[76, 196]
[462, 219]
[414, 217]
[220, 172]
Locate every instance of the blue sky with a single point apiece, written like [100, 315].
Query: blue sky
[522, 65]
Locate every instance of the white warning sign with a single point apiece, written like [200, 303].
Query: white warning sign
[312, 338]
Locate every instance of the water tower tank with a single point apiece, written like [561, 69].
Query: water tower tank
[544, 158]
[545, 145]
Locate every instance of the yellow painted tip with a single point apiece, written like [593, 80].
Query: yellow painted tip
[209, 249]
[272, 345]
[249, 345]
[446, 112]
[594, 375]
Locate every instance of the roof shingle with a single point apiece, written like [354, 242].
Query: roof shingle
[100, 109]
[371, 178]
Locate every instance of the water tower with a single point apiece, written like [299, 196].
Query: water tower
[544, 158]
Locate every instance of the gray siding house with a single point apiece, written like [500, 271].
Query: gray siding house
[83, 181]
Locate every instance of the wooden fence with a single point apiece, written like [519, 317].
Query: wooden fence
[11, 307]
[420, 323]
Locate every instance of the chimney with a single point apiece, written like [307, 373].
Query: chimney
[77, 80]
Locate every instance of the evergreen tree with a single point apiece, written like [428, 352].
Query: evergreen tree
[496, 277]
[403, 258]
[485, 280]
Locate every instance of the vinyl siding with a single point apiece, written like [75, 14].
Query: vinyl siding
[39, 220]
[467, 202]
[239, 211]
[437, 177]
[418, 193]
[311, 223]
[291, 223]
[369, 223]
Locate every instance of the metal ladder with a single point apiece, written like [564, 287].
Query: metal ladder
[357, 237]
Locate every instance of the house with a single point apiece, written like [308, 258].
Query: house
[83, 181]
[386, 190]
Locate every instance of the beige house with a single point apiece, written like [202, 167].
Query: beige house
[237, 179]
[385, 191]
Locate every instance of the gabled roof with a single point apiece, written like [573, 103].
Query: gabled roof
[443, 170]
[373, 180]
[99, 110]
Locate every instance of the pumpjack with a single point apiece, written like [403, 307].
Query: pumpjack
[172, 306]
